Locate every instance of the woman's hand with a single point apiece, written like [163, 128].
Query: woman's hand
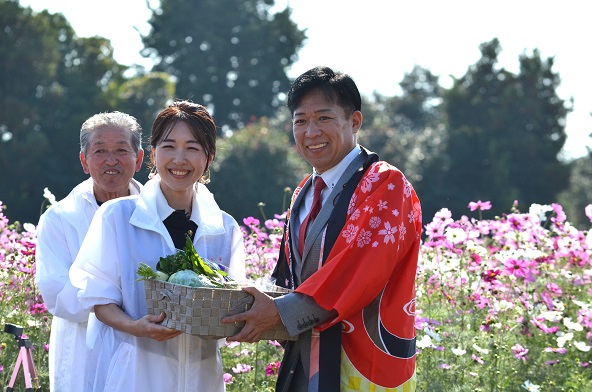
[148, 326]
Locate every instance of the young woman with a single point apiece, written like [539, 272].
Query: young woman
[129, 350]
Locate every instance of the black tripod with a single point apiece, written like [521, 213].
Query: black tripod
[24, 359]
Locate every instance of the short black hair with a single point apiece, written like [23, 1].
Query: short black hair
[337, 86]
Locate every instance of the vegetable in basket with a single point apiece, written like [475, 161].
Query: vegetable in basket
[196, 272]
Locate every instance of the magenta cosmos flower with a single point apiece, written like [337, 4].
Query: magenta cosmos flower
[480, 205]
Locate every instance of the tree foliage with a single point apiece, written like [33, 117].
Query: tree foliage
[51, 81]
[579, 192]
[408, 131]
[493, 135]
[232, 56]
[255, 166]
[504, 133]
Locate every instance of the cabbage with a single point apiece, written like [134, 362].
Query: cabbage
[190, 278]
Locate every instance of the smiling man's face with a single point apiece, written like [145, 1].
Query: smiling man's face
[111, 162]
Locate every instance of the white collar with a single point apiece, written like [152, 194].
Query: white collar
[333, 175]
[164, 210]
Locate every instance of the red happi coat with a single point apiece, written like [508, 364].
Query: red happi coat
[369, 279]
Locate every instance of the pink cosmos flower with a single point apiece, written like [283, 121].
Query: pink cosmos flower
[227, 378]
[272, 368]
[588, 211]
[241, 368]
[554, 288]
[491, 275]
[561, 350]
[274, 343]
[543, 327]
[515, 267]
[585, 318]
[477, 359]
[520, 352]
[560, 216]
[250, 221]
[480, 205]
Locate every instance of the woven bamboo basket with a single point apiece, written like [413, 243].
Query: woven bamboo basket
[197, 311]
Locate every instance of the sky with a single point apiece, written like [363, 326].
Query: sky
[377, 42]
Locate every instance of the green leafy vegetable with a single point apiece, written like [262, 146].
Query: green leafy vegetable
[145, 272]
[185, 259]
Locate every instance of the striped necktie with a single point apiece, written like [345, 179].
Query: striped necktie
[319, 184]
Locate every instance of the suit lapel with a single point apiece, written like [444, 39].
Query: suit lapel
[312, 238]
[294, 224]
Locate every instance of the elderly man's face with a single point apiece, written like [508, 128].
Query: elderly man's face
[111, 162]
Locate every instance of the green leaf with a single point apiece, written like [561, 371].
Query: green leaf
[145, 272]
[197, 263]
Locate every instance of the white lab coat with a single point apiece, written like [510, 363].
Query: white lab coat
[60, 233]
[124, 233]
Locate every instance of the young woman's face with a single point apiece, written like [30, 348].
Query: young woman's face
[180, 160]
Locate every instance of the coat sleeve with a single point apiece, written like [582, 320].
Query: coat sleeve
[96, 270]
[378, 243]
[53, 261]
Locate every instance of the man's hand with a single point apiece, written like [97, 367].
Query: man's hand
[262, 316]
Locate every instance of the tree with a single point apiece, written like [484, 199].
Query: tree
[255, 166]
[50, 82]
[409, 132]
[229, 55]
[579, 193]
[504, 133]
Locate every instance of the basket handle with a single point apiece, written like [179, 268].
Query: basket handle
[240, 304]
[172, 295]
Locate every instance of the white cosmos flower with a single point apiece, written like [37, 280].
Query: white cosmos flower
[571, 325]
[49, 196]
[551, 315]
[480, 350]
[29, 227]
[434, 335]
[540, 211]
[582, 346]
[583, 305]
[561, 340]
[531, 387]
[560, 306]
[424, 342]
[458, 351]
[456, 235]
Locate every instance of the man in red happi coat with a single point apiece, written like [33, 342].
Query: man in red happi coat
[353, 273]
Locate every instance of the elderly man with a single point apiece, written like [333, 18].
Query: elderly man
[110, 152]
[350, 253]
